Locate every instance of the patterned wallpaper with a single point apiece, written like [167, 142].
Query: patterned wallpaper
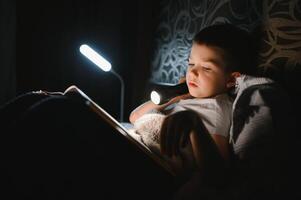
[280, 21]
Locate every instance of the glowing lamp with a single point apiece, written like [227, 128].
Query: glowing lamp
[106, 66]
[97, 59]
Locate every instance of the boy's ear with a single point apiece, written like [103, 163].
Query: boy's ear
[232, 79]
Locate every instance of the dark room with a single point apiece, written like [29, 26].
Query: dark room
[151, 99]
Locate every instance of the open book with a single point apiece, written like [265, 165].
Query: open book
[121, 129]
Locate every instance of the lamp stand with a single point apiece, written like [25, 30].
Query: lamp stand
[121, 95]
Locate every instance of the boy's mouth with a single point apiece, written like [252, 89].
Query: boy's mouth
[192, 84]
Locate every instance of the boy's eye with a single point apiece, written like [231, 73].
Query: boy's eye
[206, 69]
[190, 64]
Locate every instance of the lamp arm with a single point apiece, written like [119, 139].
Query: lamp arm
[122, 93]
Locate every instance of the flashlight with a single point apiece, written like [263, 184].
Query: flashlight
[163, 93]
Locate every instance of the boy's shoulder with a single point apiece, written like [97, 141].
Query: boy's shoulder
[220, 103]
[218, 98]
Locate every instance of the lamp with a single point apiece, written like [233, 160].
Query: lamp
[106, 66]
[163, 93]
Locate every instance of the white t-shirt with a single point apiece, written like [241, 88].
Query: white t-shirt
[216, 113]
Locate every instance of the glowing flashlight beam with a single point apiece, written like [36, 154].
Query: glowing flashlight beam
[155, 97]
[97, 59]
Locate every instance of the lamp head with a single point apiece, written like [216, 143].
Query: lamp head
[97, 59]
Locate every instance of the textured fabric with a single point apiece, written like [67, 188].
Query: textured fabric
[262, 137]
[252, 117]
[147, 131]
[215, 112]
[148, 127]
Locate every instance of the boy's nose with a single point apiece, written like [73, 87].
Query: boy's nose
[194, 72]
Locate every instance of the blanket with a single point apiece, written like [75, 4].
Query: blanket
[147, 130]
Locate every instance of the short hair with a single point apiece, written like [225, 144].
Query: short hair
[237, 44]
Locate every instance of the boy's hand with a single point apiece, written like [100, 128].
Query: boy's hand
[178, 98]
[184, 96]
[175, 131]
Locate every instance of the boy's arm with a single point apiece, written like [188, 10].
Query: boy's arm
[222, 144]
[149, 105]
[142, 109]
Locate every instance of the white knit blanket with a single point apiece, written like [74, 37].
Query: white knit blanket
[147, 130]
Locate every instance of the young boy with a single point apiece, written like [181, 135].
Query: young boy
[219, 54]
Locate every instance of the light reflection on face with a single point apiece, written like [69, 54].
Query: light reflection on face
[206, 75]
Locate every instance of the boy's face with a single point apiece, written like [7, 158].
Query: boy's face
[206, 75]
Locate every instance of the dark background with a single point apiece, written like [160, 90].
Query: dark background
[40, 48]
[145, 40]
